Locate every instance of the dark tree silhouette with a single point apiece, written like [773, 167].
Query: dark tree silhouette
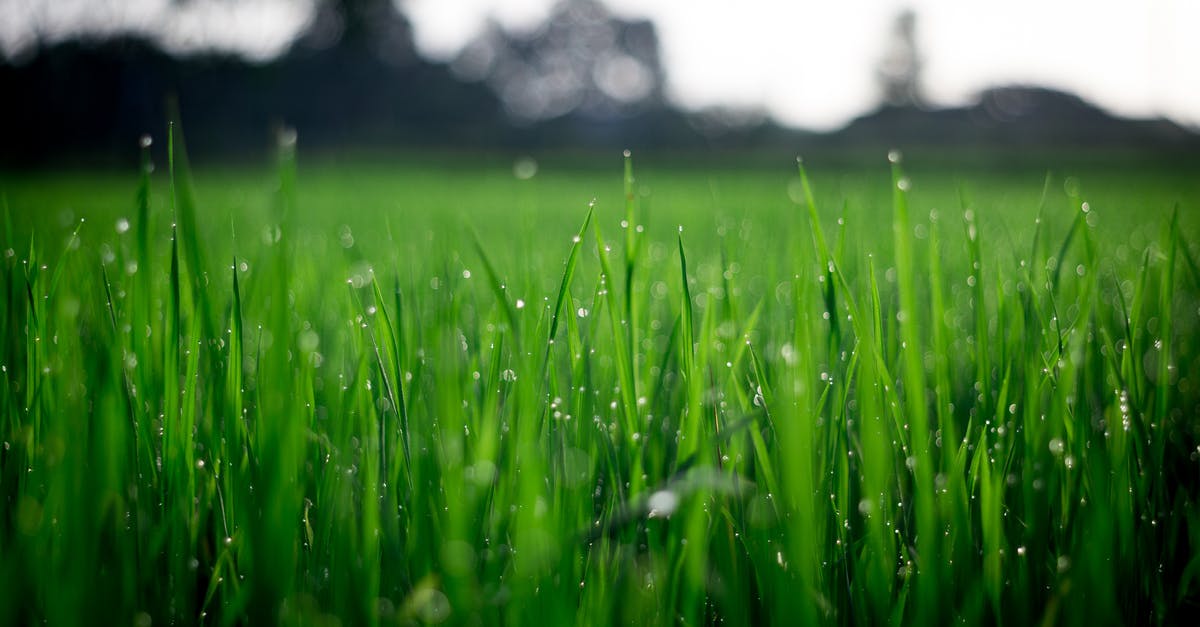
[352, 79]
[583, 60]
[374, 26]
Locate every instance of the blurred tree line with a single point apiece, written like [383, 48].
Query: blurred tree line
[584, 79]
[353, 78]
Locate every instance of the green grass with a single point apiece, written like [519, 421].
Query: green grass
[426, 391]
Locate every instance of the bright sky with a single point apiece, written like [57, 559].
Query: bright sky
[808, 63]
[259, 29]
[811, 63]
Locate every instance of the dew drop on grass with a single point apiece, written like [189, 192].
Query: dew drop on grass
[525, 168]
[270, 235]
[432, 605]
[520, 304]
[788, 353]
[122, 225]
[508, 375]
[308, 341]
[662, 504]
[287, 137]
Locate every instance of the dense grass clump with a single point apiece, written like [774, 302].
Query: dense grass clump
[365, 402]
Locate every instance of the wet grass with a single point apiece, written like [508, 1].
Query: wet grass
[373, 394]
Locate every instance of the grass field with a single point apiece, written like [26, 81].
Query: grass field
[426, 390]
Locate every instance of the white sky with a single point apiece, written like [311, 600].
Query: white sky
[811, 63]
[259, 29]
[807, 63]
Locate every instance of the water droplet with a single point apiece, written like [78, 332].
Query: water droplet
[287, 138]
[662, 504]
[788, 352]
[122, 226]
[525, 168]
